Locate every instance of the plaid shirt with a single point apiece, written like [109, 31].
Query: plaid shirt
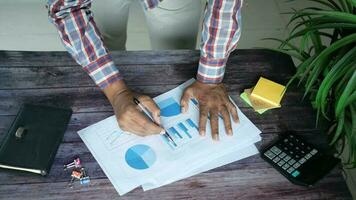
[82, 39]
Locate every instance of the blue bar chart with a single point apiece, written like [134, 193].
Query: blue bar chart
[184, 130]
[175, 132]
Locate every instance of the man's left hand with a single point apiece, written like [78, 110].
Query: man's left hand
[214, 100]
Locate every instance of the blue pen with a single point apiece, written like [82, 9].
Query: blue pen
[149, 115]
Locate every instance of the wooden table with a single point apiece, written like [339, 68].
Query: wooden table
[53, 78]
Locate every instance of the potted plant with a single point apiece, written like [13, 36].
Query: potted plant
[323, 40]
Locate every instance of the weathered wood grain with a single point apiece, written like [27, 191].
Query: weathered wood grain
[90, 99]
[68, 151]
[236, 184]
[53, 78]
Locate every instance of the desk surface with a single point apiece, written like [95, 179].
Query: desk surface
[53, 78]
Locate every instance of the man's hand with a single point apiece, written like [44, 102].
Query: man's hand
[129, 116]
[214, 100]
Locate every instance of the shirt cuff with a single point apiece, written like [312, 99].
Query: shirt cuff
[103, 71]
[211, 70]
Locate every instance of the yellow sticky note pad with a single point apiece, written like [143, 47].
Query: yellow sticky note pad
[266, 94]
[245, 97]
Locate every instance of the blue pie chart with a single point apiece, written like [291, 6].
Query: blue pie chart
[169, 107]
[140, 156]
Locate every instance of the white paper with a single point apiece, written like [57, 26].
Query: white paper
[130, 161]
[223, 160]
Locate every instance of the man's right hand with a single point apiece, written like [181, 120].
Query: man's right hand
[129, 116]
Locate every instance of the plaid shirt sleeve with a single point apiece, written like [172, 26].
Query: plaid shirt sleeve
[221, 32]
[82, 39]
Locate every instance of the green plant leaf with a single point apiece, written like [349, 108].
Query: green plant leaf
[341, 103]
[322, 26]
[347, 17]
[351, 99]
[303, 70]
[353, 2]
[322, 58]
[338, 70]
[327, 4]
[339, 129]
[334, 4]
[342, 83]
[344, 6]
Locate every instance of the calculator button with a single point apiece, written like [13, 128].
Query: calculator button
[285, 166]
[301, 161]
[296, 165]
[276, 150]
[276, 159]
[270, 154]
[286, 158]
[280, 163]
[290, 170]
[295, 173]
[282, 155]
[297, 157]
[308, 156]
[291, 162]
[314, 151]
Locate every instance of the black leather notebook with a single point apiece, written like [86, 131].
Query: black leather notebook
[32, 141]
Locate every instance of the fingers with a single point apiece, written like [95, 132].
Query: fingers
[233, 111]
[145, 125]
[152, 107]
[203, 117]
[134, 121]
[184, 102]
[226, 117]
[214, 123]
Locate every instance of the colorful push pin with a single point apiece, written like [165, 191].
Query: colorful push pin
[77, 174]
[71, 182]
[76, 163]
[85, 180]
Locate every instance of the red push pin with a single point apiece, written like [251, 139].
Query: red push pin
[75, 163]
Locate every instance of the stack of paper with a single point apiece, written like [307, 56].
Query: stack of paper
[131, 161]
[264, 96]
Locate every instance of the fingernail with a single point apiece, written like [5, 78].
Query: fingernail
[202, 133]
[183, 110]
[229, 132]
[216, 137]
[162, 132]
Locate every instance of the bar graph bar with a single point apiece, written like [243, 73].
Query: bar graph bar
[184, 129]
[175, 132]
[182, 133]
[167, 141]
[192, 124]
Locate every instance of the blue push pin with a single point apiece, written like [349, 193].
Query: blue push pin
[85, 180]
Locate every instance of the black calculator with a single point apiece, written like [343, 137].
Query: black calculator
[297, 160]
